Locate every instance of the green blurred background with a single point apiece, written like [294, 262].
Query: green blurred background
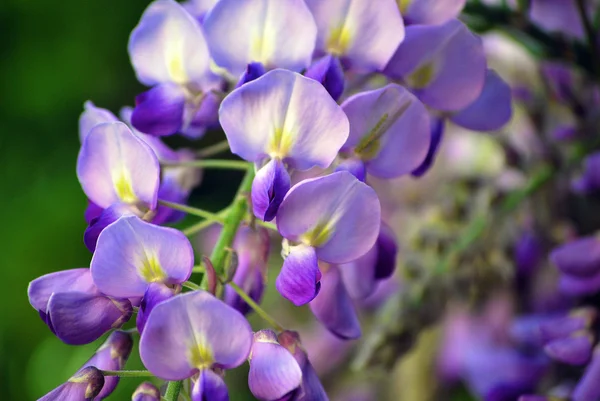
[54, 56]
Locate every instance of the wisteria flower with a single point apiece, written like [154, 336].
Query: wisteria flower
[335, 219]
[169, 52]
[430, 12]
[84, 385]
[192, 334]
[275, 33]
[282, 120]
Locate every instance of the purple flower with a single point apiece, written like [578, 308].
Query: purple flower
[579, 258]
[589, 182]
[155, 294]
[430, 12]
[199, 8]
[168, 52]
[528, 253]
[363, 33]
[587, 389]
[276, 33]
[146, 392]
[491, 110]
[282, 120]
[329, 72]
[436, 134]
[73, 308]
[85, 385]
[191, 333]
[274, 372]
[386, 123]
[335, 219]
[311, 388]
[557, 15]
[573, 350]
[131, 254]
[333, 306]
[93, 116]
[444, 65]
[111, 355]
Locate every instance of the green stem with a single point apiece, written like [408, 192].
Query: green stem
[191, 286]
[198, 269]
[214, 149]
[201, 225]
[212, 217]
[266, 224]
[127, 373]
[173, 389]
[257, 308]
[213, 163]
[232, 221]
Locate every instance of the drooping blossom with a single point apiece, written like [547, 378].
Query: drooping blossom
[363, 34]
[334, 219]
[74, 309]
[168, 52]
[274, 372]
[132, 254]
[282, 120]
[275, 33]
[443, 65]
[84, 385]
[194, 334]
[389, 131]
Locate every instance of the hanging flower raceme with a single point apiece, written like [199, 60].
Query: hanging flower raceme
[73, 307]
[282, 120]
[274, 372]
[195, 335]
[120, 175]
[363, 34]
[138, 259]
[169, 52]
[389, 131]
[444, 65]
[275, 33]
[335, 219]
[430, 12]
[85, 385]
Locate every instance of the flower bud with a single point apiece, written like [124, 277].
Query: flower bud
[274, 373]
[85, 385]
[146, 392]
[573, 350]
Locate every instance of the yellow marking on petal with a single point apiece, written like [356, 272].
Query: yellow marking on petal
[176, 69]
[151, 271]
[174, 55]
[422, 76]
[319, 234]
[280, 144]
[403, 5]
[123, 188]
[339, 40]
[200, 353]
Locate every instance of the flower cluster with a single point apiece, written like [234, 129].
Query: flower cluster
[318, 98]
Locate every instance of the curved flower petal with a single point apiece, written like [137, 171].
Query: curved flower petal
[491, 110]
[252, 72]
[274, 372]
[146, 392]
[159, 111]
[389, 130]
[430, 12]
[209, 386]
[192, 331]
[107, 217]
[580, 257]
[364, 33]
[168, 45]
[155, 294]
[444, 65]
[115, 166]
[387, 250]
[276, 33]
[337, 214]
[131, 254]
[111, 355]
[354, 166]
[436, 134]
[83, 386]
[80, 318]
[333, 307]
[329, 72]
[40, 289]
[359, 275]
[573, 350]
[590, 180]
[269, 187]
[557, 16]
[578, 285]
[287, 116]
[299, 278]
[587, 388]
[91, 117]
